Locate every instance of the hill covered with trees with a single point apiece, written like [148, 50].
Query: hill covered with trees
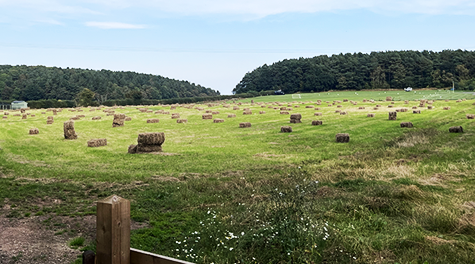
[377, 70]
[45, 83]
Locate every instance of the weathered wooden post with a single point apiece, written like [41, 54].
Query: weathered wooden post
[113, 231]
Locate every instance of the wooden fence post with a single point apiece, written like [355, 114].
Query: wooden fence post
[113, 231]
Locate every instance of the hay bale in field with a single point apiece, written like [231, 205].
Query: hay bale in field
[456, 129]
[390, 106]
[430, 107]
[128, 118]
[23, 116]
[22, 110]
[248, 112]
[318, 114]
[370, 115]
[43, 113]
[6, 113]
[262, 112]
[207, 116]
[295, 118]
[244, 124]
[389, 98]
[74, 118]
[309, 106]
[181, 121]
[458, 101]
[296, 106]
[345, 100]
[392, 115]
[447, 108]
[263, 106]
[215, 112]
[132, 149]
[5, 117]
[470, 116]
[175, 115]
[342, 137]
[34, 131]
[69, 132]
[284, 113]
[118, 120]
[16, 114]
[172, 107]
[392, 102]
[339, 106]
[235, 107]
[406, 101]
[416, 111]
[99, 142]
[96, 118]
[218, 120]
[317, 122]
[378, 105]
[153, 121]
[151, 139]
[337, 111]
[361, 107]
[406, 124]
[343, 113]
[286, 129]
[231, 115]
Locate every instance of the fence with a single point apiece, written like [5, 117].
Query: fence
[113, 237]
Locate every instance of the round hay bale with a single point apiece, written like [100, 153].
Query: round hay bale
[218, 120]
[416, 111]
[370, 115]
[181, 121]
[430, 107]
[414, 107]
[392, 102]
[99, 142]
[406, 124]
[34, 131]
[317, 122]
[244, 124]
[470, 116]
[339, 106]
[342, 137]
[236, 108]
[317, 108]
[153, 120]
[392, 115]
[296, 116]
[132, 149]
[286, 129]
[390, 106]
[378, 105]
[456, 129]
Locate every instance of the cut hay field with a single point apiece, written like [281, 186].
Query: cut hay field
[223, 194]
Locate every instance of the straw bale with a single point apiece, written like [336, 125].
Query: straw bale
[447, 108]
[456, 129]
[392, 115]
[406, 124]
[339, 106]
[389, 98]
[132, 149]
[74, 118]
[458, 101]
[182, 120]
[337, 111]
[284, 113]
[153, 138]
[6, 113]
[285, 129]
[416, 111]
[309, 106]
[470, 116]
[430, 107]
[207, 116]
[343, 113]
[153, 120]
[218, 120]
[128, 118]
[175, 115]
[370, 115]
[118, 120]
[317, 122]
[342, 137]
[296, 116]
[361, 107]
[296, 106]
[69, 132]
[231, 115]
[16, 114]
[5, 117]
[392, 102]
[34, 131]
[215, 112]
[23, 116]
[247, 109]
[99, 142]
[96, 118]
[318, 114]
[244, 124]
[247, 112]
[390, 106]
[262, 112]
[263, 106]
[406, 101]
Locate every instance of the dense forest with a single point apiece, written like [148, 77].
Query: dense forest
[45, 83]
[377, 70]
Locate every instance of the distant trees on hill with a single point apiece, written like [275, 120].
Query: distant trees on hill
[377, 70]
[45, 83]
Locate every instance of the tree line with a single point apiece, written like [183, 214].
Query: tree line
[357, 71]
[33, 83]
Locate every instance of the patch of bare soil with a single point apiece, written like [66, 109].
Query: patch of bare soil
[41, 239]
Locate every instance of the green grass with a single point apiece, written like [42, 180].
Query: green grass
[250, 195]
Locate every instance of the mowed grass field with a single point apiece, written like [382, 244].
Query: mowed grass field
[223, 194]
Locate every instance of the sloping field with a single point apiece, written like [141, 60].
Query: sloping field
[219, 193]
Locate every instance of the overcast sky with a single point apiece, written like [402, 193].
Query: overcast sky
[215, 42]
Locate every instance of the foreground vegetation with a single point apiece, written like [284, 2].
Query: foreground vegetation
[223, 194]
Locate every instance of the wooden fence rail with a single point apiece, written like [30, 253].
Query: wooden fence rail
[113, 237]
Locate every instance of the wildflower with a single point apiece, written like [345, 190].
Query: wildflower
[230, 249]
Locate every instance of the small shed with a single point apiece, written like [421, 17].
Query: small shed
[19, 105]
